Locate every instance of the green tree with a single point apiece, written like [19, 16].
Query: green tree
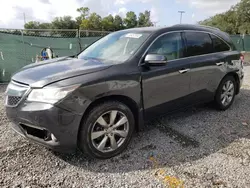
[118, 23]
[36, 25]
[84, 13]
[144, 19]
[85, 24]
[243, 15]
[95, 21]
[45, 26]
[243, 10]
[226, 22]
[32, 25]
[244, 28]
[234, 21]
[108, 23]
[64, 22]
[148, 21]
[131, 20]
[141, 20]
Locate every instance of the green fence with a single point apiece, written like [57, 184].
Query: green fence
[21, 47]
[242, 42]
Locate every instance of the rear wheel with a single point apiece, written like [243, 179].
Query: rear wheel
[225, 93]
[107, 130]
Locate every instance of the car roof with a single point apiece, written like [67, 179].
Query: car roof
[145, 29]
[174, 27]
[183, 27]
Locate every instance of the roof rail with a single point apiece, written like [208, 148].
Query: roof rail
[210, 27]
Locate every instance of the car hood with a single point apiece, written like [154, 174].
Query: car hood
[38, 75]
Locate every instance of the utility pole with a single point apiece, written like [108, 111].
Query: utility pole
[24, 18]
[181, 12]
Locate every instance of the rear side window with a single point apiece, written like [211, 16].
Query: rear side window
[198, 43]
[219, 45]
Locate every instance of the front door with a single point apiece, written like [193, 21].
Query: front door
[166, 87]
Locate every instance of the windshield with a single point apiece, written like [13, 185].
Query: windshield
[116, 47]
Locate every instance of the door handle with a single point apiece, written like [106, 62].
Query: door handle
[219, 64]
[184, 71]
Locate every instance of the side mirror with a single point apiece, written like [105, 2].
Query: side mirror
[155, 59]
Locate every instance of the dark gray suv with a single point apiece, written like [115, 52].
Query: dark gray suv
[97, 99]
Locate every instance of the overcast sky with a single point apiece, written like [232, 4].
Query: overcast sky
[164, 12]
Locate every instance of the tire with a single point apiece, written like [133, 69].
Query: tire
[219, 99]
[91, 143]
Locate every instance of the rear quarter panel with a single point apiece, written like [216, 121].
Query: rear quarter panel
[232, 64]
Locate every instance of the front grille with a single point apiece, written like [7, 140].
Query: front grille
[13, 100]
[14, 93]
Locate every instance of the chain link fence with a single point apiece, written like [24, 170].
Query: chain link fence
[21, 47]
[87, 37]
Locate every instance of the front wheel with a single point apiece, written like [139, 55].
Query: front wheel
[225, 93]
[107, 130]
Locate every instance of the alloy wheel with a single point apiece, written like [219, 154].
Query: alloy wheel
[110, 131]
[227, 93]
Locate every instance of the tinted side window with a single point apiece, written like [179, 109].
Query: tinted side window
[219, 45]
[169, 45]
[198, 43]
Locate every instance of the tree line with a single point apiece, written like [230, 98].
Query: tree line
[234, 21]
[92, 21]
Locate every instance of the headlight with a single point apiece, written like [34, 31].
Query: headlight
[50, 95]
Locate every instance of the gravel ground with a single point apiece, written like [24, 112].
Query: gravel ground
[200, 147]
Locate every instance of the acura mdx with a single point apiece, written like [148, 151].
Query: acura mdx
[96, 100]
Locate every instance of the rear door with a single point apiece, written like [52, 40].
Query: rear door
[226, 56]
[206, 67]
